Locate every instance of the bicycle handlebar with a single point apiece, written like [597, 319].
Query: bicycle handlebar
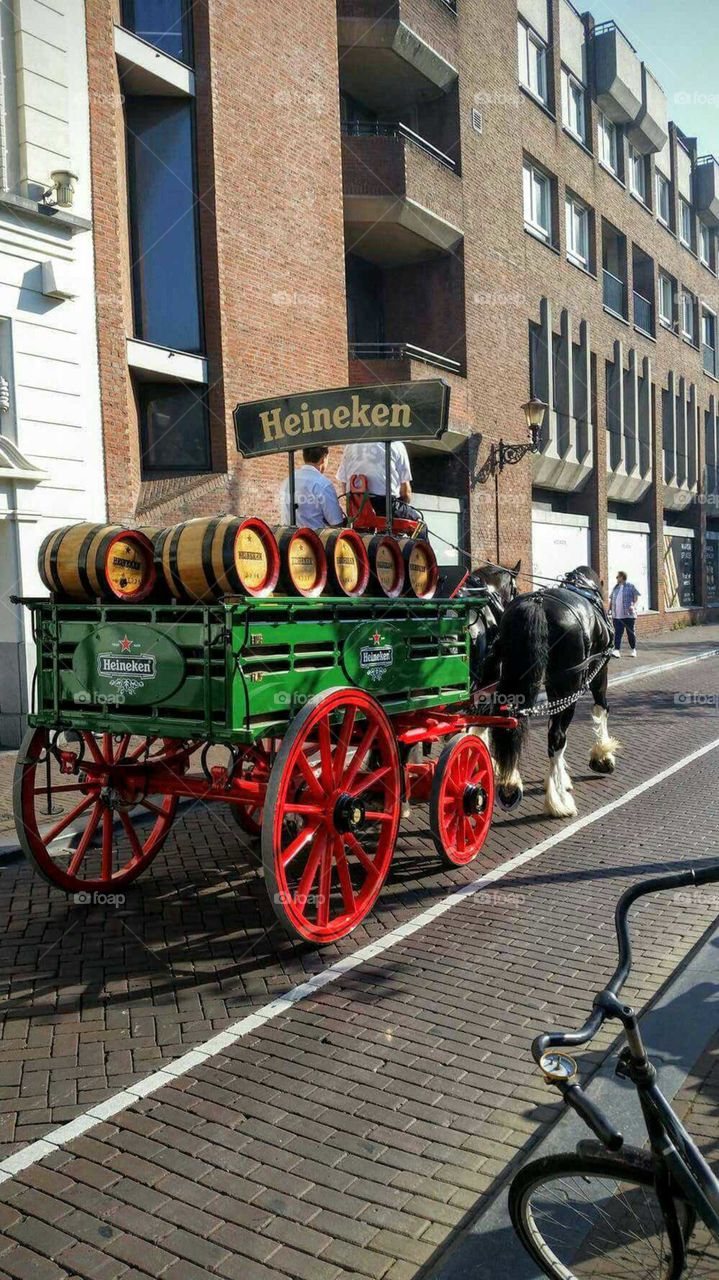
[657, 884]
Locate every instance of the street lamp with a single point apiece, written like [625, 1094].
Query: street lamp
[503, 455]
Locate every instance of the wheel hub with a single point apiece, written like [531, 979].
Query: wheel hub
[349, 814]
[114, 799]
[474, 799]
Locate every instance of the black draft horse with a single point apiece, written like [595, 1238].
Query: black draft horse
[553, 638]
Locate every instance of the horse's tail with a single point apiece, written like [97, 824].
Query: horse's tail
[523, 650]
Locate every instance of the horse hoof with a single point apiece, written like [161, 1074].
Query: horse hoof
[509, 799]
[603, 766]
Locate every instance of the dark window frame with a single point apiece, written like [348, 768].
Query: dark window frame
[145, 391]
[132, 206]
[128, 11]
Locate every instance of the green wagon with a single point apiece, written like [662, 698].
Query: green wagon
[300, 716]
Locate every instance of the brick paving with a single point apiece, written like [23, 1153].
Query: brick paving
[353, 1134]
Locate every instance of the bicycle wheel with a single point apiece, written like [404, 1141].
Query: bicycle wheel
[598, 1217]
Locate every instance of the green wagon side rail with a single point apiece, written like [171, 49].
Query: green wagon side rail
[240, 670]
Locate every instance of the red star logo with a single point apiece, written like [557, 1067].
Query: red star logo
[376, 637]
[126, 644]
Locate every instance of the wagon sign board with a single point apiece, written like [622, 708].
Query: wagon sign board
[376, 656]
[409, 411]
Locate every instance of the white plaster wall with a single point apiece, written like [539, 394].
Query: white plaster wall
[48, 348]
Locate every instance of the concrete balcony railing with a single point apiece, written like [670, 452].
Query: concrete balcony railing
[394, 52]
[403, 202]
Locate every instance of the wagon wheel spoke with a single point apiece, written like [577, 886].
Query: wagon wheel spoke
[359, 756]
[131, 834]
[298, 844]
[367, 781]
[325, 743]
[343, 873]
[325, 887]
[107, 844]
[122, 747]
[86, 841]
[69, 817]
[378, 815]
[345, 737]
[309, 776]
[309, 875]
[153, 808]
[361, 855]
[95, 752]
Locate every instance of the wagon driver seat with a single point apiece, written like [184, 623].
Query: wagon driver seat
[365, 519]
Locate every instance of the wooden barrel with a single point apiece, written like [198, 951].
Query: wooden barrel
[84, 561]
[421, 570]
[347, 562]
[207, 558]
[303, 561]
[386, 565]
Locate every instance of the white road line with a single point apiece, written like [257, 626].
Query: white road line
[94, 1116]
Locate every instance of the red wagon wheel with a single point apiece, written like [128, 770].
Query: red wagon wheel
[462, 800]
[104, 827]
[331, 815]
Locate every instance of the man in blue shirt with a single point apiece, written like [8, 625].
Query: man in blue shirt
[623, 608]
[316, 502]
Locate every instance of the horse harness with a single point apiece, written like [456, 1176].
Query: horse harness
[591, 664]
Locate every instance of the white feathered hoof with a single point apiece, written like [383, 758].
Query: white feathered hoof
[603, 756]
[509, 798]
[559, 804]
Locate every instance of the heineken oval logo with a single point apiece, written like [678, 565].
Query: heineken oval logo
[139, 665]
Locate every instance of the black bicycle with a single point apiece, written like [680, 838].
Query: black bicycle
[608, 1211]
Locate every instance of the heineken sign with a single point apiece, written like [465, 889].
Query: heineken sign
[410, 411]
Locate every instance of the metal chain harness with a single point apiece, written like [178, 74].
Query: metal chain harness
[562, 704]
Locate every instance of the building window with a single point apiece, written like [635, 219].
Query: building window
[174, 428]
[163, 222]
[532, 62]
[162, 23]
[667, 300]
[685, 222]
[577, 232]
[537, 201]
[608, 143]
[664, 203]
[688, 318]
[709, 341]
[573, 106]
[707, 246]
[637, 175]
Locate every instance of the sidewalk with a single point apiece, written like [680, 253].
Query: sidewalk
[681, 1032]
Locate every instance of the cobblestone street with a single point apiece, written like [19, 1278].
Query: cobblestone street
[353, 1125]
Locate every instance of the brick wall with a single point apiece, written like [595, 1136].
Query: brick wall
[271, 233]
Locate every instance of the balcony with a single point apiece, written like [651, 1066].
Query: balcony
[706, 185]
[643, 314]
[650, 130]
[402, 197]
[389, 362]
[613, 293]
[618, 74]
[397, 52]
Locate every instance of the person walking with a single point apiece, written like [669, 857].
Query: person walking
[623, 608]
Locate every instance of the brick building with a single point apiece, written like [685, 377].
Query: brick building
[384, 190]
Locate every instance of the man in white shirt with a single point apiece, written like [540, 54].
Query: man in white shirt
[316, 503]
[369, 460]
